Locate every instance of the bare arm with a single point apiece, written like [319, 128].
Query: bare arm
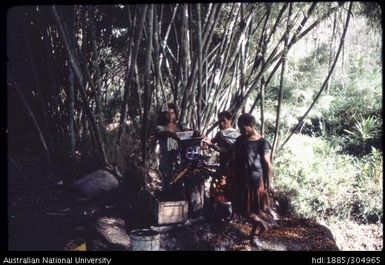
[214, 146]
[269, 169]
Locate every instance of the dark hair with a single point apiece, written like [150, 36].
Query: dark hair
[246, 119]
[226, 114]
[162, 116]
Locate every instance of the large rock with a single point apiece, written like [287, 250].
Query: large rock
[113, 230]
[95, 183]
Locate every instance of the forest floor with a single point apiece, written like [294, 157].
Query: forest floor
[44, 221]
[105, 223]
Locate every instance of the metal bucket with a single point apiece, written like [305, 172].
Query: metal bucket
[145, 240]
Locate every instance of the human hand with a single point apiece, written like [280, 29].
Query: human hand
[207, 141]
[272, 192]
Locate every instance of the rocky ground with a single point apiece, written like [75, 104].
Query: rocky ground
[106, 225]
[105, 222]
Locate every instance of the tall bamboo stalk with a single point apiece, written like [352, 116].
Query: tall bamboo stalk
[79, 78]
[280, 95]
[199, 96]
[147, 88]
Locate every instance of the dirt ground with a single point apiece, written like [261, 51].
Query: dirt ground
[105, 224]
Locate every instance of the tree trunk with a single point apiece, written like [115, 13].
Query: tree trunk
[50, 66]
[79, 78]
[42, 101]
[242, 55]
[206, 40]
[71, 106]
[185, 65]
[84, 131]
[277, 21]
[262, 105]
[331, 51]
[95, 63]
[237, 104]
[130, 72]
[159, 78]
[227, 62]
[199, 96]
[71, 88]
[280, 95]
[147, 85]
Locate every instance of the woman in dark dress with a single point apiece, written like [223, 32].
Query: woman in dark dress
[166, 134]
[252, 158]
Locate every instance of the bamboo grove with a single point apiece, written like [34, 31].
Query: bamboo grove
[72, 70]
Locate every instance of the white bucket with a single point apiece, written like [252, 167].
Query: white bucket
[144, 240]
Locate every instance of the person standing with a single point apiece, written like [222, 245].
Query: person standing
[252, 154]
[166, 134]
[222, 143]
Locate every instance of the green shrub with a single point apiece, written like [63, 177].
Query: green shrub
[368, 186]
[329, 184]
[355, 114]
[365, 129]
